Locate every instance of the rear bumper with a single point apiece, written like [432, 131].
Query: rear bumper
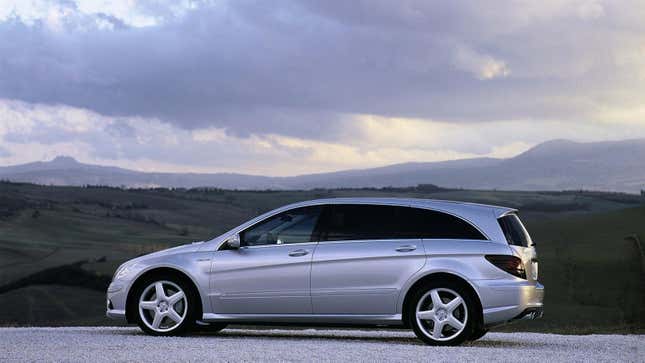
[530, 314]
[507, 300]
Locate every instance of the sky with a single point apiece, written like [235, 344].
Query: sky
[294, 87]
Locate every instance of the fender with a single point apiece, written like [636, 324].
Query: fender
[187, 260]
[451, 266]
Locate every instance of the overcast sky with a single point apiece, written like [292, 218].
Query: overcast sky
[291, 87]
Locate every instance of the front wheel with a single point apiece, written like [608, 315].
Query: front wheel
[165, 306]
[442, 313]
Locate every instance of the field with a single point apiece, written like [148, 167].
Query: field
[60, 245]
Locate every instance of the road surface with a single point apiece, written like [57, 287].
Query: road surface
[99, 344]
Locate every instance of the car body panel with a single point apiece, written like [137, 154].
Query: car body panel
[262, 280]
[362, 277]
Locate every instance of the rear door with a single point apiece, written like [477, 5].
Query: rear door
[365, 255]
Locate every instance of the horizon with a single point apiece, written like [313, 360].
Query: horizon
[555, 165]
[76, 160]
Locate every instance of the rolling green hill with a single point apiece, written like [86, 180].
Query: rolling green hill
[589, 264]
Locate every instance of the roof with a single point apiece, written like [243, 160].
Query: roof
[444, 205]
[482, 216]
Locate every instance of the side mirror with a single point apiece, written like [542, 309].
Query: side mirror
[234, 242]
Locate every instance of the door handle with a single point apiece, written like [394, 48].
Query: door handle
[297, 253]
[406, 248]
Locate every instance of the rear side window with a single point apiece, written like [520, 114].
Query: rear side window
[514, 230]
[373, 222]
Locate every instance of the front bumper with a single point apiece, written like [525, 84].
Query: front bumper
[115, 314]
[507, 300]
[116, 300]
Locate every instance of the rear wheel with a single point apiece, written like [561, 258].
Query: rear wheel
[442, 313]
[210, 327]
[478, 334]
[165, 305]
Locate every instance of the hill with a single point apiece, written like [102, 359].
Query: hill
[553, 165]
[589, 262]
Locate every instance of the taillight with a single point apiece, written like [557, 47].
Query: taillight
[511, 264]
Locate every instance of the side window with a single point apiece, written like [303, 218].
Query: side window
[361, 222]
[365, 222]
[438, 225]
[293, 226]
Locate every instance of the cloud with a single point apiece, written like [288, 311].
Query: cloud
[293, 67]
[300, 86]
[482, 66]
[41, 132]
[4, 153]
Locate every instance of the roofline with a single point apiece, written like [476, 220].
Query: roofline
[400, 201]
[478, 215]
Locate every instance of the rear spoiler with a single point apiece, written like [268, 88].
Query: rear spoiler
[502, 211]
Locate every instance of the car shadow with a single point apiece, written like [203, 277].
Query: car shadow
[294, 335]
[349, 336]
[343, 335]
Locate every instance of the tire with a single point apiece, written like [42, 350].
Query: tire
[154, 314]
[478, 334]
[436, 304]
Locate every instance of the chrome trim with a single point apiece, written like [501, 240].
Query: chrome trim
[279, 245]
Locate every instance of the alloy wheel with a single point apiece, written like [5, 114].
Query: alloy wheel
[441, 314]
[163, 306]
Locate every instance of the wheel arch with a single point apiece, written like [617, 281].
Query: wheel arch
[130, 312]
[441, 276]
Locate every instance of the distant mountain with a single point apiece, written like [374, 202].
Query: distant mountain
[553, 165]
[65, 170]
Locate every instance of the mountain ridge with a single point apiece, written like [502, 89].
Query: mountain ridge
[552, 165]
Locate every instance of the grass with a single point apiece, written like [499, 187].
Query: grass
[592, 273]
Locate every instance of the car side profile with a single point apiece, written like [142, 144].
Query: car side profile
[448, 270]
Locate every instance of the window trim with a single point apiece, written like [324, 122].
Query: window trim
[278, 245]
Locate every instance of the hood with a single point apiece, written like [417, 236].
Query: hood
[189, 247]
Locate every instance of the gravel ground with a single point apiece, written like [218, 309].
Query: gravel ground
[90, 344]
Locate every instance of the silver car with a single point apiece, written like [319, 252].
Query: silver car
[447, 270]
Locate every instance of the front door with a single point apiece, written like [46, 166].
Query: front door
[270, 273]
